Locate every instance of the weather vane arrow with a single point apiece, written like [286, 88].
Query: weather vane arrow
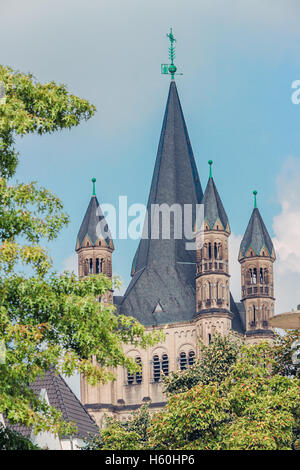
[170, 69]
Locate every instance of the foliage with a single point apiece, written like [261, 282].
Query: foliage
[13, 440]
[127, 435]
[213, 365]
[283, 352]
[240, 403]
[47, 319]
[32, 107]
[251, 409]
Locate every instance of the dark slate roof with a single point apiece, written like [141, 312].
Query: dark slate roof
[213, 207]
[63, 399]
[238, 312]
[117, 299]
[163, 270]
[93, 225]
[256, 236]
[242, 313]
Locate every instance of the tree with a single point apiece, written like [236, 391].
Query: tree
[213, 365]
[32, 107]
[128, 435]
[47, 320]
[13, 440]
[283, 354]
[251, 409]
[237, 401]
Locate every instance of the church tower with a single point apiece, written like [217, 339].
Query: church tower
[256, 257]
[212, 273]
[94, 247]
[94, 244]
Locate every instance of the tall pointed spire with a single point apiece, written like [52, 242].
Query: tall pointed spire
[163, 270]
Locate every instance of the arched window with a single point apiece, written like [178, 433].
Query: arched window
[220, 251]
[209, 338]
[156, 369]
[135, 377]
[191, 358]
[266, 276]
[101, 265]
[200, 292]
[217, 250]
[91, 266]
[254, 314]
[263, 313]
[209, 290]
[261, 276]
[183, 361]
[165, 364]
[253, 276]
[130, 378]
[139, 375]
[218, 290]
[203, 292]
[209, 251]
[86, 267]
[97, 266]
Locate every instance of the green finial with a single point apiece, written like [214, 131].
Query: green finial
[171, 68]
[255, 202]
[210, 162]
[94, 181]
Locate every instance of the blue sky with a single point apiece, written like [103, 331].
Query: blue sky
[239, 59]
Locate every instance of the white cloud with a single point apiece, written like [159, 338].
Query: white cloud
[71, 263]
[286, 227]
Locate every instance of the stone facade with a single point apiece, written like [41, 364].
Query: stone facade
[257, 294]
[95, 259]
[184, 293]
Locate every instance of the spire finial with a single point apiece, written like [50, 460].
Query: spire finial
[170, 69]
[94, 181]
[210, 162]
[255, 201]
